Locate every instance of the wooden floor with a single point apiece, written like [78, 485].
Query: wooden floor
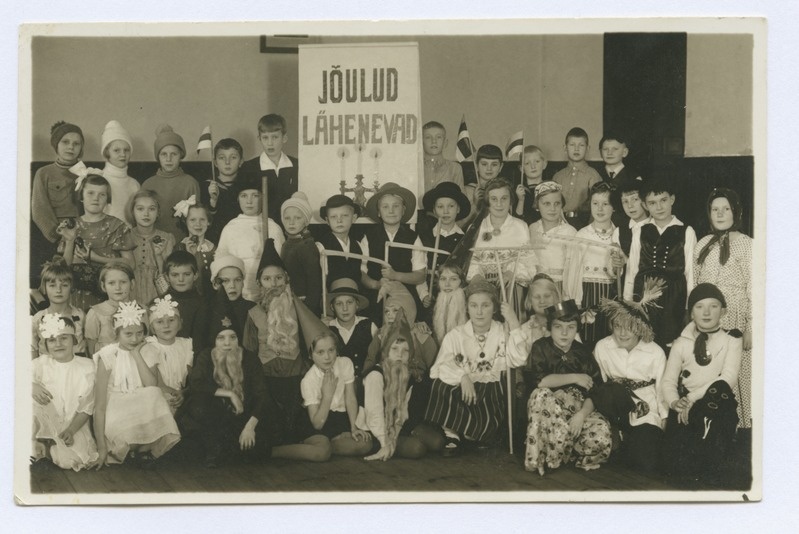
[487, 470]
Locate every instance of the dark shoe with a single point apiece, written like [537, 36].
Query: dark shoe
[451, 447]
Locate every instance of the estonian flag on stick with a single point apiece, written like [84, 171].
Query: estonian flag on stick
[205, 139]
[464, 148]
[515, 146]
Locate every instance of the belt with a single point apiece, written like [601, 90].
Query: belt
[571, 214]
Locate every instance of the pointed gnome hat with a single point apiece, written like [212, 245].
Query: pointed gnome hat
[634, 316]
[114, 131]
[269, 257]
[399, 329]
[311, 326]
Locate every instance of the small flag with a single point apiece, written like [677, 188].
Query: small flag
[515, 146]
[464, 147]
[205, 139]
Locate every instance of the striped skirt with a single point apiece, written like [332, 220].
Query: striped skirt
[477, 422]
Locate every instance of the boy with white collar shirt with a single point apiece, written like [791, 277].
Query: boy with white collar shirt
[281, 170]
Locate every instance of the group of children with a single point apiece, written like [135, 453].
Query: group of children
[208, 319]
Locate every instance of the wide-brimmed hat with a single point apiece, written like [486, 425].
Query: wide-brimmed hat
[336, 201]
[390, 188]
[346, 286]
[447, 190]
[633, 316]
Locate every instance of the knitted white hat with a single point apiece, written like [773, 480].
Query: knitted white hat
[113, 132]
[300, 201]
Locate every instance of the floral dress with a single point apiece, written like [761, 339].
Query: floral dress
[734, 279]
[145, 267]
[549, 442]
[108, 237]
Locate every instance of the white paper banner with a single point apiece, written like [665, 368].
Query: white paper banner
[360, 120]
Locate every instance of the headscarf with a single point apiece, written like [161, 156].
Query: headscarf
[722, 237]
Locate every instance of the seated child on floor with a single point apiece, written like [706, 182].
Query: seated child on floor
[328, 393]
[698, 383]
[169, 357]
[56, 286]
[563, 425]
[228, 399]
[63, 395]
[131, 415]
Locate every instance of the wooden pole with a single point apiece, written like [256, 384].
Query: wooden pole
[324, 284]
[435, 258]
[265, 208]
[507, 370]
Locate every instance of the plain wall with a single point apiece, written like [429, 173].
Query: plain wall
[718, 99]
[541, 84]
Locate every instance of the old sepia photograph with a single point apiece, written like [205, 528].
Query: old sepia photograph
[391, 262]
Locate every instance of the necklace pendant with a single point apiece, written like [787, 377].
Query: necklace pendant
[482, 355]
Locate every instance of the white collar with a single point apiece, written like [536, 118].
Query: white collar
[446, 233]
[616, 170]
[267, 164]
[673, 222]
[337, 324]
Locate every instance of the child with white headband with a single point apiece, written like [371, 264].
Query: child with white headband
[131, 415]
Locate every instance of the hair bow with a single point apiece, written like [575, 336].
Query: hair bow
[82, 171]
[182, 207]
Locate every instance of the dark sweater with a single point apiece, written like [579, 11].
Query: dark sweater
[202, 383]
[193, 315]
[280, 185]
[301, 258]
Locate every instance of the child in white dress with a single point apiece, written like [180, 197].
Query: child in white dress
[63, 394]
[169, 357]
[131, 414]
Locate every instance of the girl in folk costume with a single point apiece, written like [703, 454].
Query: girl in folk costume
[600, 264]
[632, 366]
[196, 217]
[63, 394]
[117, 148]
[563, 424]
[467, 397]
[450, 307]
[95, 240]
[152, 245]
[131, 414]
[168, 356]
[53, 198]
[391, 412]
[56, 286]
[228, 399]
[499, 229]
[554, 257]
[116, 281]
[328, 391]
[724, 258]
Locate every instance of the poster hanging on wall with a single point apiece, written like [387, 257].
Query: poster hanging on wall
[359, 120]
